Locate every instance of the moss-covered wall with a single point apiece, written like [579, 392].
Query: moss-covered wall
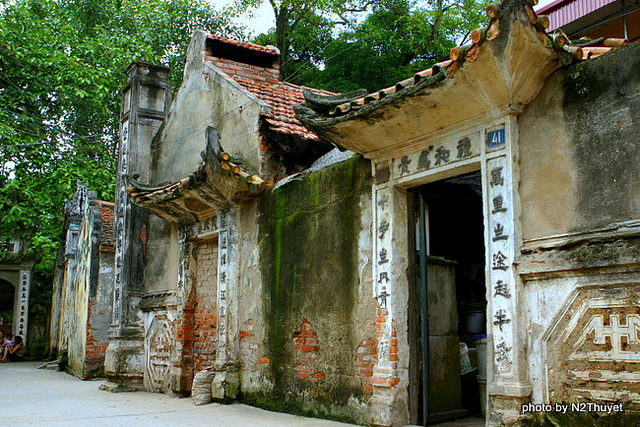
[316, 311]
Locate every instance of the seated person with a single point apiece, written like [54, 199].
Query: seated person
[14, 351]
[8, 341]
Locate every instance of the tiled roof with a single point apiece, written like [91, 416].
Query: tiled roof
[264, 84]
[566, 50]
[107, 216]
[197, 196]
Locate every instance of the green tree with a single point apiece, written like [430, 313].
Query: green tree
[303, 27]
[397, 38]
[61, 70]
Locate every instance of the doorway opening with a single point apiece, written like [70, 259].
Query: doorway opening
[7, 297]
[447, 300]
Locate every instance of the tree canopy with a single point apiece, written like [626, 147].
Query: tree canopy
[343, 45]
[61, 70]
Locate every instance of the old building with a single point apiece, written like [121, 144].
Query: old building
[83, 284]
[495, 193]
[16, 265]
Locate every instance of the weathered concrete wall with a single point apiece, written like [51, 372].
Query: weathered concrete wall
[317, 294]
[76, 315]
[252, 320]
[206, 97]
[579, 147]
[82, 297]
[579, 263]
[161, 263]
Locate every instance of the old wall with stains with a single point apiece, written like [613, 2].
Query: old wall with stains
[181, 303]
[75, 316]
[83, 294]
[580, 198]
[206, 97]
[317, 296]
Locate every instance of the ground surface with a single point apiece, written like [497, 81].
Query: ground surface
[39, 397]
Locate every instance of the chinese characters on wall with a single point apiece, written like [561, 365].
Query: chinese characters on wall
[383, 279]
[436, 156]
[500, 256]
[23, 301]
[120, 221]
[224, 252]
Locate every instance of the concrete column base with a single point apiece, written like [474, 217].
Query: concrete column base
[124, 363]
[386, 409]
[506, 410]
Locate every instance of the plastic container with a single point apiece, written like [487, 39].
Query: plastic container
[481, 349]
[465, 363]
[475, 320]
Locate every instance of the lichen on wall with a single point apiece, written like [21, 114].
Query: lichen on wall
[309, 231]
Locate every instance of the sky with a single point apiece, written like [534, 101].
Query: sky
[263, 18]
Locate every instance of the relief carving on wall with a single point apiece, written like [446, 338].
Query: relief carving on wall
[160, 338]
[593, 347]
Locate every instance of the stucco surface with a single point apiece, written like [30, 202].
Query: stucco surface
[206, 98]
[316, 310]
[578, 150]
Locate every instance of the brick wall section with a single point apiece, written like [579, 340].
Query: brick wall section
[205, 317]
[248, 342]
[251, 73]
[183, 328]
[393, 349]
[307, 347]
[366, 358]
[94, 350]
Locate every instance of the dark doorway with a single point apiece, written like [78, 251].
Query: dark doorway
[447, 302]
[7, 295]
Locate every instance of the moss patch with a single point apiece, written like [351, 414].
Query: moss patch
[308, 236]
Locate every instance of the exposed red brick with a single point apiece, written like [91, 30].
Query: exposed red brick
[319, 375]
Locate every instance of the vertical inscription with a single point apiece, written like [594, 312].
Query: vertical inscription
[224, 253]
[501, 252]
[23, 301]
[382, 266]
[120, 221]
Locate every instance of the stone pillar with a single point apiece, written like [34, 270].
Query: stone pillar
[21, 314]
[508, 384]
[226, 383]
[390, 262]
[146, 100]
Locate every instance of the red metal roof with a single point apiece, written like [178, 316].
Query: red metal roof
[562, 12]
